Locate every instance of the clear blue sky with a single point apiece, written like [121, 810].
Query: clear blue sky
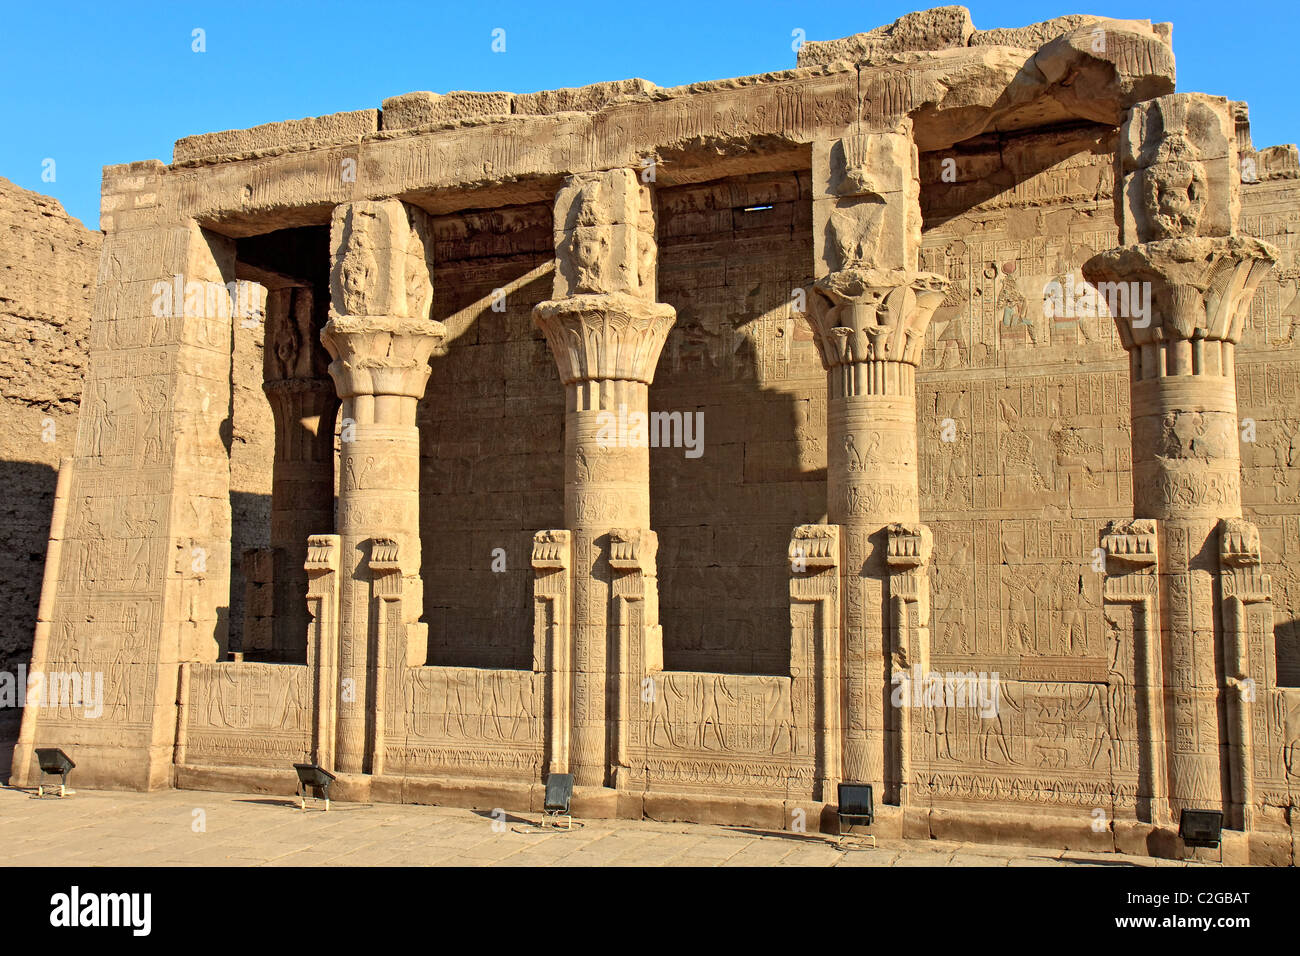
[105, 82]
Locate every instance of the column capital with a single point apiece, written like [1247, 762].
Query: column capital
[603, 337]
[381, 354]
[1182, 289]
[874, 315]
[381, 259]
[1182, 273]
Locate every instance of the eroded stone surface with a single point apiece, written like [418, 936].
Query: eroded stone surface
[48, 262]
[913, 446]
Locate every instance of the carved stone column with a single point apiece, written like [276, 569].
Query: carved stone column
[606, 332]
[869, 318]
[381, 337]
[304, 407]
[1180, 289]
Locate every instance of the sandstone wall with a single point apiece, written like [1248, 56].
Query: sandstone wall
[1039, 415]
[48, 262]
[491, 437]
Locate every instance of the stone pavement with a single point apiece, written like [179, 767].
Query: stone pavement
[194, 828]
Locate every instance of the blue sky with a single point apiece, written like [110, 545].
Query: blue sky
[93, 84]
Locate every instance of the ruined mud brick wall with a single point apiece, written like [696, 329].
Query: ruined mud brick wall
[48, 262]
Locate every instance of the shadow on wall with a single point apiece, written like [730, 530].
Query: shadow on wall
[251, 523]
[742, 360]
[491, 438]
[24, 536]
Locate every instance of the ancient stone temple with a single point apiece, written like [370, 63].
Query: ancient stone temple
[921, 416]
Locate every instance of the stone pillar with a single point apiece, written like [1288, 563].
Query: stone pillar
[1131, 603]
[1249, 662]
[304, 407]
[606, 332]
[143, 580]
[381, 337]
[870, 314]
[638, 639]
[322, 567]
[1179, 290]
[552, 560]
[908, 561]
[815, 556]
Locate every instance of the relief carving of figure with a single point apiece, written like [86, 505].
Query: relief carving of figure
[855, 232]
[359, 266]
[716, 698]
[994, 746]
[286, 345]
[1174, 190]
[779, 715]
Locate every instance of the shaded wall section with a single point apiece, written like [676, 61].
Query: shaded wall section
[731, 254]
[491, 437]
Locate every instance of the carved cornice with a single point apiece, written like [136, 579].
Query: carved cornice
[381, 355]
[605, 337]
[1239, 543]
[1241, 560]
[910, 546]
[323, 553]
[550, 550]
[632, 549]
[1132, 542]
[385, 567]
[815, 546]
[874, 315]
